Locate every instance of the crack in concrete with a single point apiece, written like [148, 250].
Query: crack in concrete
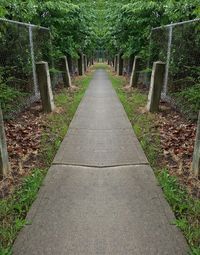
[99, 166]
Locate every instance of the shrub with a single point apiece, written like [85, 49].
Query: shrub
[192, 95]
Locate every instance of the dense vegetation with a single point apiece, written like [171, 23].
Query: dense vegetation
[127, 28]
[115, 25]
[69, 22]
[71, 25]
[129, 23]
[111, 27]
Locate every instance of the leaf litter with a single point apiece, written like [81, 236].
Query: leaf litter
[177, 136]
[23, 136]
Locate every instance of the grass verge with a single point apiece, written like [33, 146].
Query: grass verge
[186, 208]
[14, 208]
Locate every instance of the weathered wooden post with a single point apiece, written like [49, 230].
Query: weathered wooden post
[157, 79]
[81, 64]
[196, 155]
[44, 81]
[137, 63]
[4, 163]
[120, 64]
[65, 71]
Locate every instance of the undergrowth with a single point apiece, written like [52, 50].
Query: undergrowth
[10, 98]
[189, 101]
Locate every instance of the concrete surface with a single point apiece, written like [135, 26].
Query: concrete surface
[100, 134]
[100, 197]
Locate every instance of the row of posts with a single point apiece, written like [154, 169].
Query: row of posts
[46, 93]
[45, 88]
[154, 96]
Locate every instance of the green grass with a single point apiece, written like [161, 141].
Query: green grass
[14, 208]
[134, 104]
[185, 208]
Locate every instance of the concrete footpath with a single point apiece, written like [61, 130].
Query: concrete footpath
[100, 196]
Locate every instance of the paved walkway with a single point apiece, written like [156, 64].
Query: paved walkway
[100, 196]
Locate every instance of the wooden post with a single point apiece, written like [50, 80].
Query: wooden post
[196, 155]
[44, 81]
[157, 79]
[120, 64]
[81, 64]
[4, 163]
[65, 72]
[135, 71]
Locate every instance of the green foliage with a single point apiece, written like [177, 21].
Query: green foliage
[69, 21]
[127, 28]
[9, 96]
[192, 96]
[189, 100]
[111, 25]
[72, 31]
[128, 23]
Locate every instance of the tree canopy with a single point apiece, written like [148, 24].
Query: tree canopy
[129, 23]
[113, 25]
